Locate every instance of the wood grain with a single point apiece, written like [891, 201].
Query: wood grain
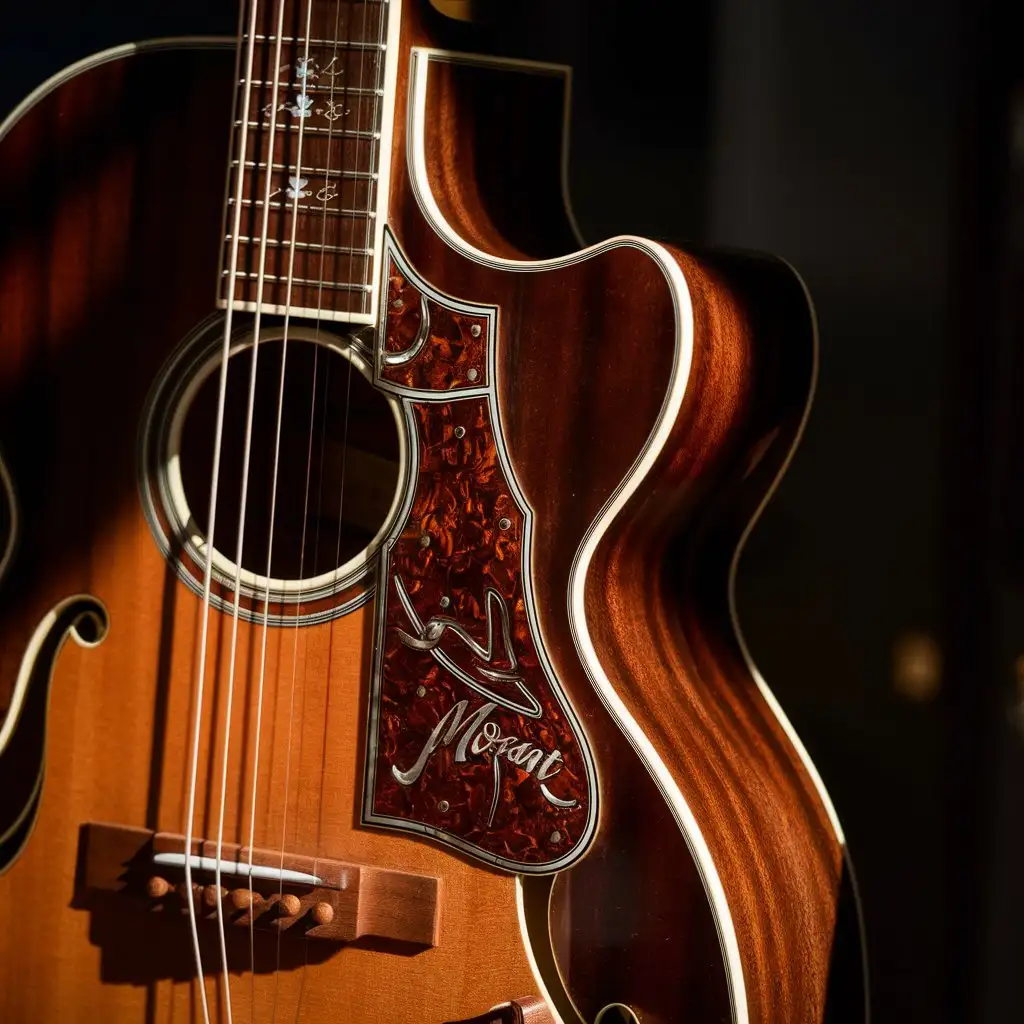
[349, 902]
[99, 282]
[657, 591]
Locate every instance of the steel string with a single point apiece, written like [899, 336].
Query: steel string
[243, 502]
[290, 277]
[270, 541]
[212, 511]
[273, 511]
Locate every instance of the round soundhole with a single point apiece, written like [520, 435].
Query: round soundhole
[324, 457]
[337, 461]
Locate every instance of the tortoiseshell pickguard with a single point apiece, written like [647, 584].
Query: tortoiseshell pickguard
[453, 352]
[471, 741]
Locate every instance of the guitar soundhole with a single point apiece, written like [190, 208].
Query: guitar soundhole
[320, 518]
[338, 462]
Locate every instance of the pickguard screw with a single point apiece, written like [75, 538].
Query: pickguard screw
[424, 540]
[476, 330]
[460, 431]
[556, 836]
[504, 523]
[472, 374]
[442, 806]
[445, 601]
[421, 691]
[397, 304]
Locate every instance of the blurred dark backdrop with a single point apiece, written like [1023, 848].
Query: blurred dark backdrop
[878, 145]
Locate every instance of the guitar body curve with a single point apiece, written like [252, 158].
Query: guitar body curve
[643, 434]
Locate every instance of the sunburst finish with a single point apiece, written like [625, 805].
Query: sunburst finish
[649, 398]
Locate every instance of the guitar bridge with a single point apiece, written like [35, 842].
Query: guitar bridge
[315, 898]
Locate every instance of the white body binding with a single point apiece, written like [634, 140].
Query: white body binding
[676, 389]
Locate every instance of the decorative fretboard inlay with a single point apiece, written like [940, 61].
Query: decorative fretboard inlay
[309, 145]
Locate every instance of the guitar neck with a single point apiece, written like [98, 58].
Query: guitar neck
[308, 182]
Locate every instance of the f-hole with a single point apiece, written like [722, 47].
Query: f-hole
[617, 1013]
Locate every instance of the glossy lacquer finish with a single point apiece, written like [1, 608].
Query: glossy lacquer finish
[709, 886]
[475, 743]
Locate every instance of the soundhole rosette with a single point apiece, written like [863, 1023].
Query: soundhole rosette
[176, 506]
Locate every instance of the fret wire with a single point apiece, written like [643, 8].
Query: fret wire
[347, 250]
[343, 90]
[349, 44]
[359, 155]
[305, 206]
[352, 133]
[304, 169]
[252, 275]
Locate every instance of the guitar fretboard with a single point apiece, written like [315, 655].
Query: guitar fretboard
[306, 175]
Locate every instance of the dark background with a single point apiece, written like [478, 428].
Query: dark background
[878, 145]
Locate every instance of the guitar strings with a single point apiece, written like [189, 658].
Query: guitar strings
[260, 282]
[243, 504]
[364, 37]
[270, 549]
[289, 280]
[327, 374]
[212, 518]
[296, 194]
[312, 418]
[372, 199]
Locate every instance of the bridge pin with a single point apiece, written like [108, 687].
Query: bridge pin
[213, 894]
[288, 905]
[157, 888]
[182, 890]
[243, 899]
[323, 913]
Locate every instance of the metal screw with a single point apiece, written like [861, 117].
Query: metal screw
[460, 431]
[476, 330]
[397, 304]
[424, 540]
[504, 523]
[556, 836]
[445, 601]
[473, 373]
[442, 806]
[421, 691]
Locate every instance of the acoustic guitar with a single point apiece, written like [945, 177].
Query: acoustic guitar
[367, 639]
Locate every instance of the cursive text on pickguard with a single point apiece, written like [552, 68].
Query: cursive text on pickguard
[477, 734]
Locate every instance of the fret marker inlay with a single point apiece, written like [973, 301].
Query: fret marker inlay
[316, 185]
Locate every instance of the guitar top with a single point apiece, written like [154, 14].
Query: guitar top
[367, 643]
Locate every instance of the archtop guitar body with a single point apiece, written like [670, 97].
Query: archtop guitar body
[367, 640]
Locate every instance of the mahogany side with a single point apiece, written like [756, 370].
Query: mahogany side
[585, 353]
[657, 592]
